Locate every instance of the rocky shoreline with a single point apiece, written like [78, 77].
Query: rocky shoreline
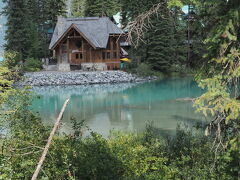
[48, 78]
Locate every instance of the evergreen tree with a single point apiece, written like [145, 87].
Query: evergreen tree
[48, 12]
[179, 42]
[164, 42]
[77, 8]
[17, 23]
[28, 22]
[32, 30]
[161, 40]
[101, 7]
[131, 9]
[52, 9]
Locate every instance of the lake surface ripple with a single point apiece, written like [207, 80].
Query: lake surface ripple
[125, 107]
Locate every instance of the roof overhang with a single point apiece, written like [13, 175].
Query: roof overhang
[66, 32]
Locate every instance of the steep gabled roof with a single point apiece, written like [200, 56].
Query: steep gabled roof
[96, 30]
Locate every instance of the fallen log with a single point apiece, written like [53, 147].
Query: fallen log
[185, 99]
[45, 151]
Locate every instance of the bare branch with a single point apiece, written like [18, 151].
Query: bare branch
[142, 22]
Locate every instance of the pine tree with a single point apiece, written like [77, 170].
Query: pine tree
[161, 41]
[28, 22]
[52, 9]
[101, 7]
[179, 42]
[164, 43]
[77, 8]
[131, 9]
[48, 12]
[17, 23]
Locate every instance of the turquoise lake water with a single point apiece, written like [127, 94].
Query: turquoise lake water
[125, 107]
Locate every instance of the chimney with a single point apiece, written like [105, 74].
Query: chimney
[60, 25]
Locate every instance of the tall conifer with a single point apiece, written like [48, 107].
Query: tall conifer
[77, 8]
[160, 40]
[28, 23]
[101, 7]
[17, 26]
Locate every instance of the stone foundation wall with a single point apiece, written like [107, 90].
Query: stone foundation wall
[94, 66]
[64, 67]
[50, 67]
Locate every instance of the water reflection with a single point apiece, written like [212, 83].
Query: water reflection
[124, 107]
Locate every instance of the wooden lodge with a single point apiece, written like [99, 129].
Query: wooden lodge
[91, 43]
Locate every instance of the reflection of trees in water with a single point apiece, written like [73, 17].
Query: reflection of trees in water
[121, 106]
[82, 89]
[166, 115]
[191, 120]
[167, 89]
[85, 101]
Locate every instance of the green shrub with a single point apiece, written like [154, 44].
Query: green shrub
[190, 154]
[144, 70]
[32, 65]
[12, 63]
[26, 135]
[139, 161]
[11, 59]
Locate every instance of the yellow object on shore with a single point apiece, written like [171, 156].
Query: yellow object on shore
[125, 59]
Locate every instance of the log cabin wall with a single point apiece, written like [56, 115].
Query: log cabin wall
[80, 51]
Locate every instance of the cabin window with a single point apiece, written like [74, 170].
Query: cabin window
[78, 43]
[115, 43]
[79, 56]
[108, 55]
[114, 46]
[108, 45]
[115, 55]
[103, 55]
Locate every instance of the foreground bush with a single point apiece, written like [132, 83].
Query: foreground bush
[142, 69]
[32, 65]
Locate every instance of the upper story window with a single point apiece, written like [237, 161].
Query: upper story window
[115, 41]
[108, 55]
[78, 43]
[115, 55]
[103, 55]
[108, 44]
